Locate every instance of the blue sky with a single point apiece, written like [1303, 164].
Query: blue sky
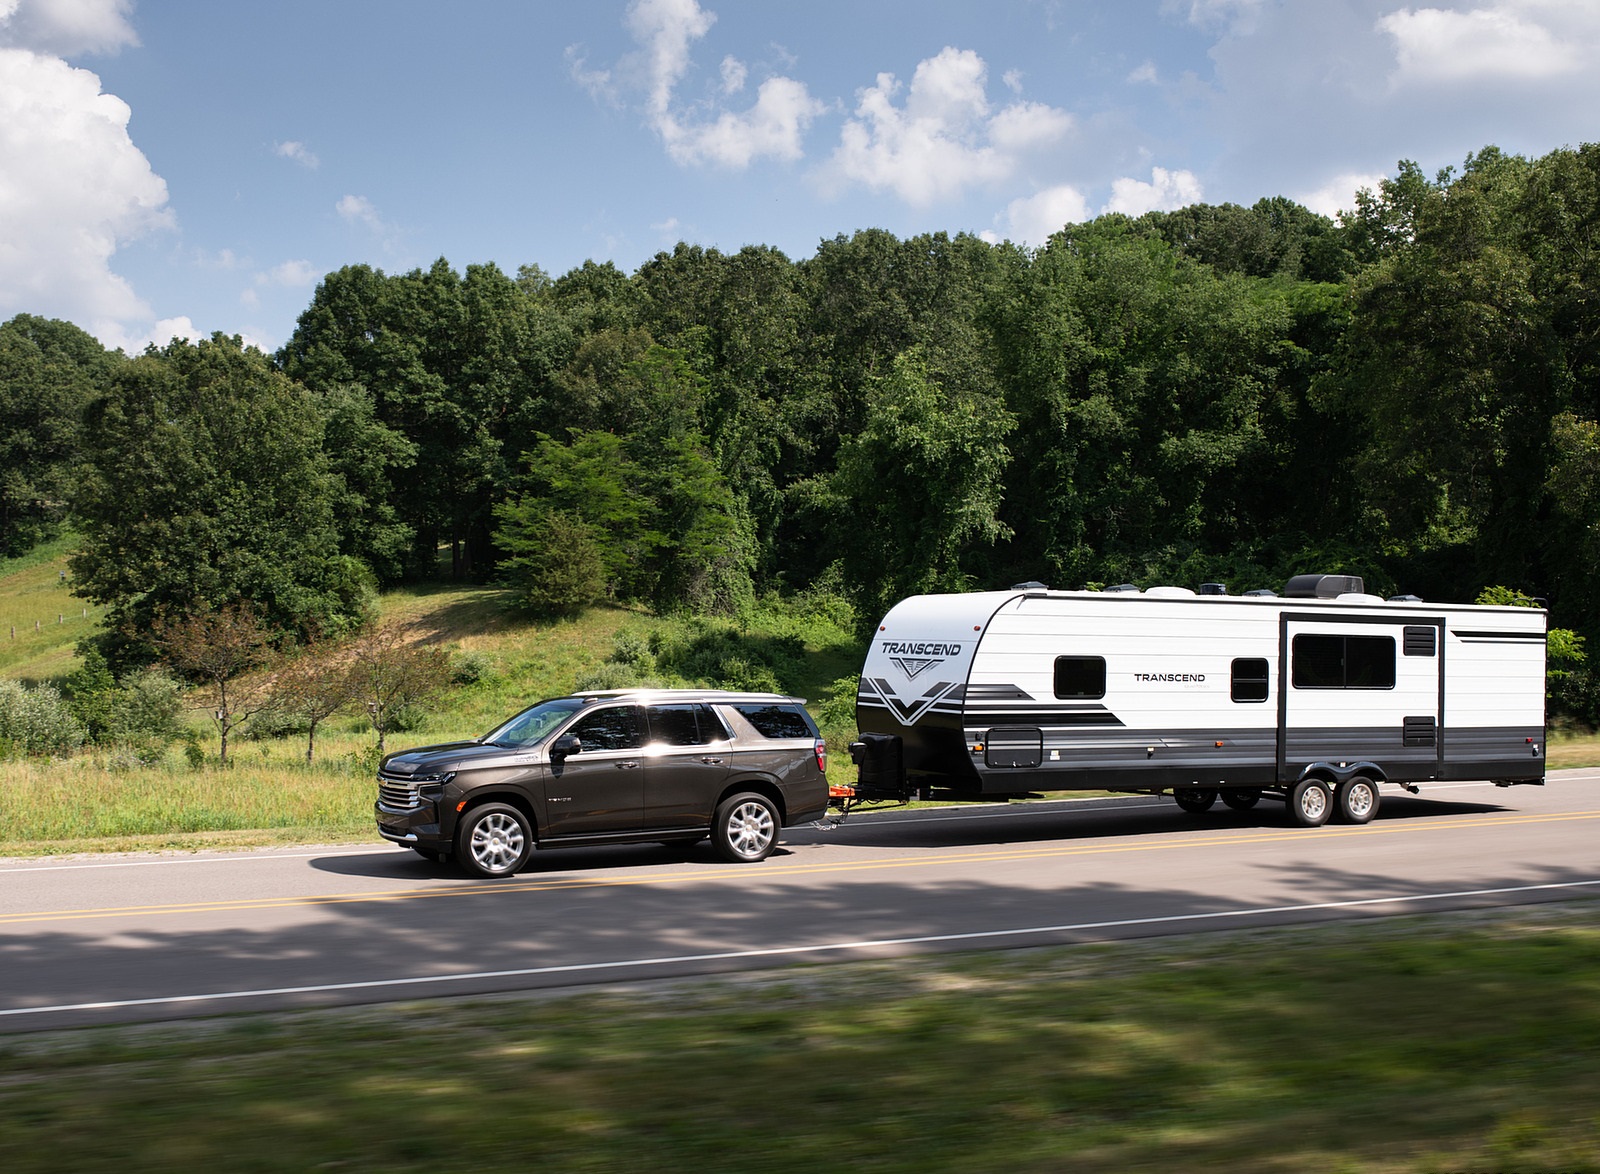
[186, 166]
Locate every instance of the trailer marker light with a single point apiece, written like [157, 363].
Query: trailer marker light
[1219, 745]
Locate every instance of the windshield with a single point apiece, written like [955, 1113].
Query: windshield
[532, 725]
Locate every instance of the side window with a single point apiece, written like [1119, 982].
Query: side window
[777, 721]
[615, 728]
[1080, 677]
[684, 725]
[1249, 679]
[1343, 662]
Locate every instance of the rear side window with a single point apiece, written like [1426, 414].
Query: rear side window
[684, 725]
[778, 721]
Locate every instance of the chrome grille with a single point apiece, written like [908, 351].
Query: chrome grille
[398, 796]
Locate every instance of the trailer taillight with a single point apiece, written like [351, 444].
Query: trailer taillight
[822, 756]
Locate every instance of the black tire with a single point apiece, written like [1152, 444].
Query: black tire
[1195, 800]
[494, 840]
[1310, 803]
[1241, 798]
[745, 828]
[1358, 800]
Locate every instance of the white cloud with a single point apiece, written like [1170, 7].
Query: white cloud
[1144, 75]
[73, 189]
[1239, 15]
[666, 31]
[64, 28]
[293, 274]
[359, 210]
[1013, 80]
[1339, 193]
[297, 151]
[1165, 191]
[1441, 45]
[945, 138]
[1032, 219]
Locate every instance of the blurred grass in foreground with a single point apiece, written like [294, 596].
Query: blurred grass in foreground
[1454, 1042]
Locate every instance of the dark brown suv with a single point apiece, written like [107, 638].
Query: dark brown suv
[621, 766]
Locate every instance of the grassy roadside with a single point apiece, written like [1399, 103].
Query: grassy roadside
[1410, 1044]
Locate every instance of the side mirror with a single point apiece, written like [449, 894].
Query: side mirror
[565, 745]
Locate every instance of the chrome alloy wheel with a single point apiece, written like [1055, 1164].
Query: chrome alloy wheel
[751, 829]
[498, 843]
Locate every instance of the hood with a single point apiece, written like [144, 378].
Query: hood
[447, 756]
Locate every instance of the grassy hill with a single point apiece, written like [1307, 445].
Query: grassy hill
[41, 621]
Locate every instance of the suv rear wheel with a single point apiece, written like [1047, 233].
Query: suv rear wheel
[745, 828]
[494, 840]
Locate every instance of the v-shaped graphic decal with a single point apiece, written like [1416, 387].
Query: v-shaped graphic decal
[907, 712]
[911, 665]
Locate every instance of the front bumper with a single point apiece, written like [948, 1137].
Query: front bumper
[417, 826]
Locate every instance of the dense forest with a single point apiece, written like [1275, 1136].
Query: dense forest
[1217, 393]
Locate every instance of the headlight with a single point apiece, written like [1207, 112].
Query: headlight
[432, 786]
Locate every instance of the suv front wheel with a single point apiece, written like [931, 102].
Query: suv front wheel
[494, 840]
[745, 828]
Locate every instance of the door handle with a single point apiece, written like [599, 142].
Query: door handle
[710, 761]
[627, 765]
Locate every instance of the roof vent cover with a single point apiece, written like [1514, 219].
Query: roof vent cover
[1324, 586]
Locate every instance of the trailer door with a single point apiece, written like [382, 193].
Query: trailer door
[1361, 687]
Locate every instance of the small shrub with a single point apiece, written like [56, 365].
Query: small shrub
[468, 667]
[610, 675]
[636, 651]
[837, 711]
[37, 722]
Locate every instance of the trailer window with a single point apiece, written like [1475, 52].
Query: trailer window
[1080, 677]
[1250, 679]
[1343, 662]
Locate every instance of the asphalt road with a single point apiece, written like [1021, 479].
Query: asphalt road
[115, 939]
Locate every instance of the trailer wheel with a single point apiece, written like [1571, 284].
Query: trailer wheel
[1241, 798]
[1195, 800]
[1310, 803]
[1358, 800]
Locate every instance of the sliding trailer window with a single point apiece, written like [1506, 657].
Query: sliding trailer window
[1343, 662]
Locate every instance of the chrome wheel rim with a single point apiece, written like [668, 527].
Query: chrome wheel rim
[1313, 801]
[751, 828]
[497, 842]
[1359, 801]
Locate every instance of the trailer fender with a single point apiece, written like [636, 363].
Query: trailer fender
[1336, 773]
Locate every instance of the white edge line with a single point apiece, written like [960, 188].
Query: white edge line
[782, 951]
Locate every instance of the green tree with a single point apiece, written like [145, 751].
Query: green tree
[311, 686]
[219, 650]
[389, 671]
[205, 483]
[553, 561]
[49, 371]
[919, 488]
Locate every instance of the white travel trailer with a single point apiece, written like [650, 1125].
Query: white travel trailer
[1315, 697]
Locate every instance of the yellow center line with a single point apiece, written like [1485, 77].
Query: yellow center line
[769, 871]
